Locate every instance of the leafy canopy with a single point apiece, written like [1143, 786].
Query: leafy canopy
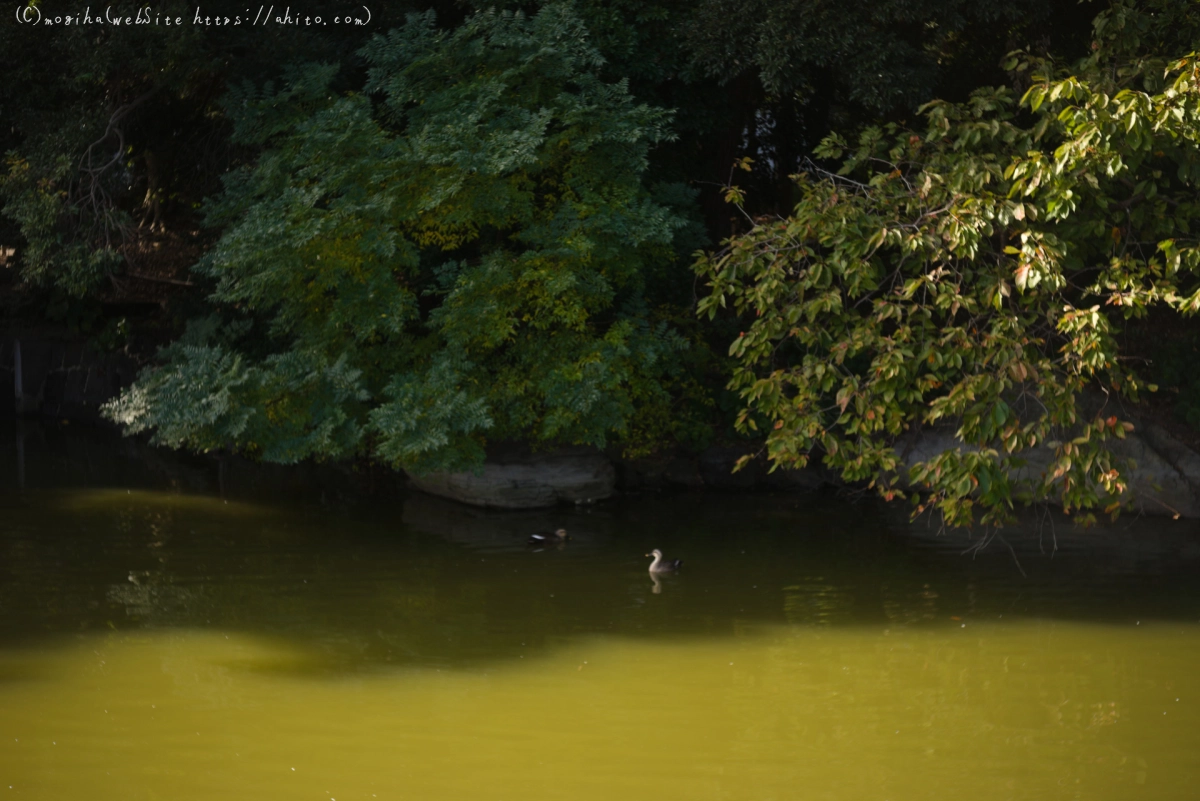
[972, 273]
[456, 253]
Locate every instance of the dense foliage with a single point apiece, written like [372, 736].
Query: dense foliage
[475, 223]
[110, 134]
[465, 258]
[971, 272]
[67, 147]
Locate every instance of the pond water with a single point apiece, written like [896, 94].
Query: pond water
[171, 628]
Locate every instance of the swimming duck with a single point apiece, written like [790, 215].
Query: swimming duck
[660, 565]
[553, 538]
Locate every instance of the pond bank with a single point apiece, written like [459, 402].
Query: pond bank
[67, 380]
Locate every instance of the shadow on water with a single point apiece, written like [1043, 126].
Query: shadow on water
[108, 535]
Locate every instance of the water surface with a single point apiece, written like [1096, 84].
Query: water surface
[173, 629]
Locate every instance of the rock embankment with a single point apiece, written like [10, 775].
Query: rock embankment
[580, 475]
[528, 481]
[1164, 482]
[1165, 479]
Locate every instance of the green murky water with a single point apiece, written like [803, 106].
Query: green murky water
[160, 641]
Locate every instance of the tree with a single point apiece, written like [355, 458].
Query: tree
[112, 131]
[458, 253]
[973, 272]
[66, 181]
[802, 68]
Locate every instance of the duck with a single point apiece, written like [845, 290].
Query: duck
[553, 538]
[660, 565]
